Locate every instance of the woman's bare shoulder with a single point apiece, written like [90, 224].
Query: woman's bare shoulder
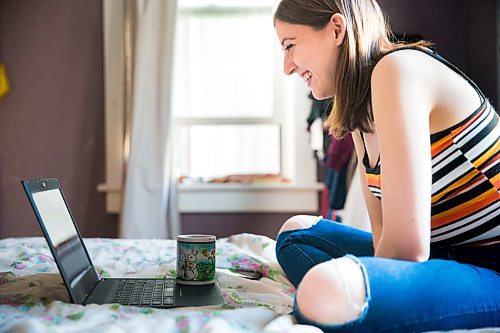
[403, 62]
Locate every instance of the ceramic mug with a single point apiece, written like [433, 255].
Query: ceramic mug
[196, 259]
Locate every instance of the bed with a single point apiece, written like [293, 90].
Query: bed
[33, 298]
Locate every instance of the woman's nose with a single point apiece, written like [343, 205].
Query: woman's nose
[289, 66]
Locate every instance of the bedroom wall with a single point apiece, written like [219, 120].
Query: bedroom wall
[51, 124]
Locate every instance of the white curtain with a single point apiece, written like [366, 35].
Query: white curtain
[149, 207]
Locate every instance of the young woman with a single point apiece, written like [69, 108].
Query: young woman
[427, 141]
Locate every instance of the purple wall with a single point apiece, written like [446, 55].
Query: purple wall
[226, 224]
[52, 122]
[463, 31]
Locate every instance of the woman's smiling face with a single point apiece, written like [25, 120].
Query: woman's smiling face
[311, 54]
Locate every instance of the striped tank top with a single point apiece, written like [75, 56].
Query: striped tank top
[465, 202]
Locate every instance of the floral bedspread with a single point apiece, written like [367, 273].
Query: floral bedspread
[33, 298]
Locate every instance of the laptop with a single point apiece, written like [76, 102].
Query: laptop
[78, 273]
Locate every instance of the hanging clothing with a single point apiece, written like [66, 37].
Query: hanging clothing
[336, 154]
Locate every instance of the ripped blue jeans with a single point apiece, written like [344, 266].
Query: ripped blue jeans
[402, 296]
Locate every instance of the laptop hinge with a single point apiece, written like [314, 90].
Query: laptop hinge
[77, 279]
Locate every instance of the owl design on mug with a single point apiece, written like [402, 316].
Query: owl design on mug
[187, 269]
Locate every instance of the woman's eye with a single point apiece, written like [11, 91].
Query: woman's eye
[288, 47]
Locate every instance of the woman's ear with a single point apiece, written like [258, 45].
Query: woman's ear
[338, 24]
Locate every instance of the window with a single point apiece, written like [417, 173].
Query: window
[235, 111]
[237, 114]
[224, 90]
[238, 149]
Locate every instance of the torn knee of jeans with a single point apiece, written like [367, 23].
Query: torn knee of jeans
[355, 310]
[299, 223]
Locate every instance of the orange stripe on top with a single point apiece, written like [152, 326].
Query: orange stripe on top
[465, 209]
[470, 185]
[373, 180]
[487, 154]
[496, 181]
[491, 163]
[460, 129]
[441, 145]
[467, 177]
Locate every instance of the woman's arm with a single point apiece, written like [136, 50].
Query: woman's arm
[372, 203]
[402, 100]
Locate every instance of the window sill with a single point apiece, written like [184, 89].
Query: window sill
[239, 198]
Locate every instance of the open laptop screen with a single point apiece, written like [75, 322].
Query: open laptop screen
[62, 232]
[62, 235]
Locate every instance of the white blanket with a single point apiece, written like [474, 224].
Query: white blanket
[33, 298]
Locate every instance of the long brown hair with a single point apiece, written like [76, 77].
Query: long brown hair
[367, 40]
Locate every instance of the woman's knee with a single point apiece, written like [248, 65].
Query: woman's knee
[299, 222]
[333, 292]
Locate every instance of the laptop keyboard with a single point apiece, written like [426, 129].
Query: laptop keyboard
[144, 292]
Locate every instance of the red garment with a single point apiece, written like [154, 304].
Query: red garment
[325, 204]
[339, 152]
